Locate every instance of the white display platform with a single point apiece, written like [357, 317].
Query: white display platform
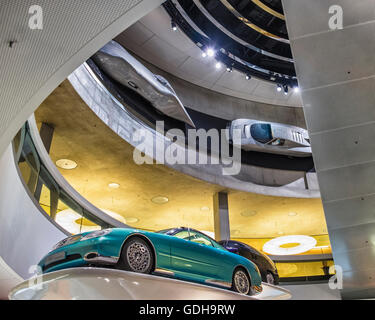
[109, 284]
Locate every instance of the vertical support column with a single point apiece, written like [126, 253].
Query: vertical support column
[221, 216]
[333, 46]
[46, 134]
[54, 201]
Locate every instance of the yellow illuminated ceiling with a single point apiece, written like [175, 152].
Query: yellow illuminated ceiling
[103, 158]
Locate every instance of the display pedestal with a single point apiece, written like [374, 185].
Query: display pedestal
[109, 284]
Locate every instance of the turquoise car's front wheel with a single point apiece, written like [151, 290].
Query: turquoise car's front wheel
[241, 282]
[137, 256]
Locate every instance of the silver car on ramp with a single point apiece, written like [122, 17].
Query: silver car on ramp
[271, 137]
[120, 65]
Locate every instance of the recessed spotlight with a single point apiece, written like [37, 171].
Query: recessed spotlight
[113, 185]
[296, 89]
[292, 214]
[174, 26]
[218, 65]
[66, 164]
[229, 69]
[131, 220]
[132, 84]
[205, 209]
[286, 89]
[248, 77]
[210, 52]
[204, 54]
[160, 200]
[279, 88]
[248, 213]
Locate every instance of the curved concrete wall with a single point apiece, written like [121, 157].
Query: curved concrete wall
[40, 59]
[26, 234]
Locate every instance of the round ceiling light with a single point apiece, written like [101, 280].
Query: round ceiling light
[66, 164]
[248, 213]
[205, 209]
[292, 214]
[131, 220]
[277, 246]
[210, 52]
[235, 232]
[160, 200]
[113, 185]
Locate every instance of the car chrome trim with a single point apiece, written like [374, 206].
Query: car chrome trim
[219, 283]
[257, 289]
[100, 259]
[164, 271]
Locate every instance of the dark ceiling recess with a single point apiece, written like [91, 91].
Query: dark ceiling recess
[273, 4]
[248, 35]
[263, 19]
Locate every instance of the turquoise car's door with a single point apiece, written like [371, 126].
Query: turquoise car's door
[191, 253]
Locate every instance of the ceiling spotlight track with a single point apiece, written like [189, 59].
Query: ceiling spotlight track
[249, 53]
[211, 48]
[274, 6]
[252, 25]
[173, 25]
[286, 89]
[237, 39]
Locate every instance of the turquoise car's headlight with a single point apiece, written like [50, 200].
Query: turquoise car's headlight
[96, 234]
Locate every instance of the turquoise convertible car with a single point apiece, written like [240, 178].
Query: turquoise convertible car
[182, 253]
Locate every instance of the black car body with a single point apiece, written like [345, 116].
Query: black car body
[266, 266]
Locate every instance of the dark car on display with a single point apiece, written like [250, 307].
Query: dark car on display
[264, 263]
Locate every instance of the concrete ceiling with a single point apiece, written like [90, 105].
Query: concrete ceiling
[152, 39]
[103, 157]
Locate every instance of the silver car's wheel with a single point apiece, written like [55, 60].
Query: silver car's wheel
[241, 282]
[137, 256]
[270, 278]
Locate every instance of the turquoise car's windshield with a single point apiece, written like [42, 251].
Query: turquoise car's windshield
[192, 235]
[168, 231]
